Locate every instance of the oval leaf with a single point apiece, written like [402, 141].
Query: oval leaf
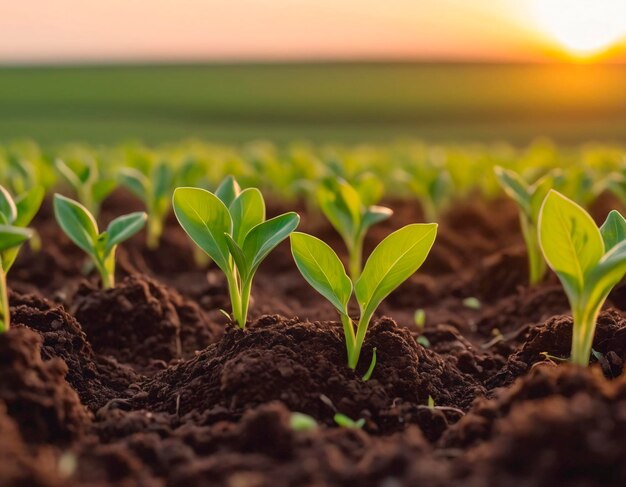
[124, 227]
[228, 190]
[263, 238]
[135, 181]
[247, 211]
[11, 237]
[28, 205]
[322, 269]
[205, 219]
[613, 230]
[7, 206]
[515, 187]
[393, 261]
[77, 223]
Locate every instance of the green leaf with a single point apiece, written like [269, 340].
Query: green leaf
[122, 228]
[322, 269]
[228, 190]
[514, 186]
[66, 171]
[135, 181]
[162, 180]
[205, 218]
[7, 206]
[341, 204]
[375, 214]
[613, 230]
[28, 205]
[539, 191]
[238, 256]
[393, 261]
[103, 188]
[11, 236]
[263, 238]
[570, 240]
[247, 211]
[77, 223]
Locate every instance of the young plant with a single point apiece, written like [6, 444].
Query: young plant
[529, 199]
[343, 206]
[81, 228]
[85, 179]
[588, 260]
[154, 189]
[432, 185]
[393, 261]
[15, 216]
[230, 226]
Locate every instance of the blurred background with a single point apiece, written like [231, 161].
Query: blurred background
[320, 70]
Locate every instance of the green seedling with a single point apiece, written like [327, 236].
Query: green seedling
[393, 261]
[85, 179]
[154, 189]
[419, 317]
[432, 185]
[344, 208]
[588, 260]
[347, 422]
[81, 228]
[529, 199]
[15, 216]
[302, 422]
[230, 226]
[472, 303]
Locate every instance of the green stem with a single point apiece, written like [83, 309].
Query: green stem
[154, 231]
[106, 268]
[585, 318]
[355, 256]
[361, 330]
[348, 332]
[536, 263]
[245, 300]
[235, 299]
[4, 302]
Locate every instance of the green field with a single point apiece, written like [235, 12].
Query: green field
[320, 102]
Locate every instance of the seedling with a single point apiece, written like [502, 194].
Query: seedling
[347, 422]
[230, 226]
[419, 317]
[588, 260]
[472, 303]
[85, 179]
[81, 228]
[393, 261]
[529, 199]
[344, 208]
[155, 190]
[302, 422]
[15, 215]
[433, 186]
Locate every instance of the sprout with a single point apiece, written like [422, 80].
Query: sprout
[302, 422]
[84, 178]
[472, 303]
[393, 261]
[588, 261]
[155, 191]
[81, 228]
[15, 216]
[230, 226]
[346, 422]
[344, 208]
[432, 184]
[529, 199]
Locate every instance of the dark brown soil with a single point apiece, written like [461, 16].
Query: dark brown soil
[147, 384]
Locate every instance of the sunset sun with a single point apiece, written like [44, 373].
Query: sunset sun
[583, 27]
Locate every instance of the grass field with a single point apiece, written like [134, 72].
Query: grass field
[321, 102]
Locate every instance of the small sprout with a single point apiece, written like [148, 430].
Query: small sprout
[432, 184]
[423, 341]
[346, 422]
[368, 375]
[15, 216]
[392, 262]
[81, 228]
[588, 260]
[529, 199]
[431, 402]
[230, 226]
[84, 178]
[302, 422]
[420, 318]
[344, 208]
[154, 189]
[472, 303]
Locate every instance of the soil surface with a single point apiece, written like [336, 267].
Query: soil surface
[149, 384]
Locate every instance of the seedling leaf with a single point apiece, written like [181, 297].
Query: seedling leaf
[77, 222]
[122, 228]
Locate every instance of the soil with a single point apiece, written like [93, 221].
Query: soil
[148, 384]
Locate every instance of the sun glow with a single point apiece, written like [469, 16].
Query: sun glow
[583, 27]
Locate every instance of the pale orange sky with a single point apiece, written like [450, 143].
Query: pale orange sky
[89, 30]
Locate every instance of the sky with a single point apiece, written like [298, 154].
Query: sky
[33, 31]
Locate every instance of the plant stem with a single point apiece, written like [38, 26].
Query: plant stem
[4, 302]
[235, 298]
[355, 256]
[585, 318]
[361, 330]
[106, 268]
[153, 231]
[348, 332]
[536, 263]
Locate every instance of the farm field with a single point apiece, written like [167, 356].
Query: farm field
[331, 102]
[305, 314]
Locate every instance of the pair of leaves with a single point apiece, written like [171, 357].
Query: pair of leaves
[529, 197]
[81, 227]
[152, 189]
[393, 261]
[85, 179]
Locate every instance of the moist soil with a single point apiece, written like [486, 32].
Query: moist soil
[149, 384]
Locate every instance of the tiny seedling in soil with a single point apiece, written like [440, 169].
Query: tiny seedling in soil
[472, 303]
[155, 190]
[15, 216]
[85, 179]
[588, 260]
[81, 228]
[230, 226]
[344, 208]
[346, 422]
[420, 318]
[302, 422]
[393, 261]
[529, 199]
